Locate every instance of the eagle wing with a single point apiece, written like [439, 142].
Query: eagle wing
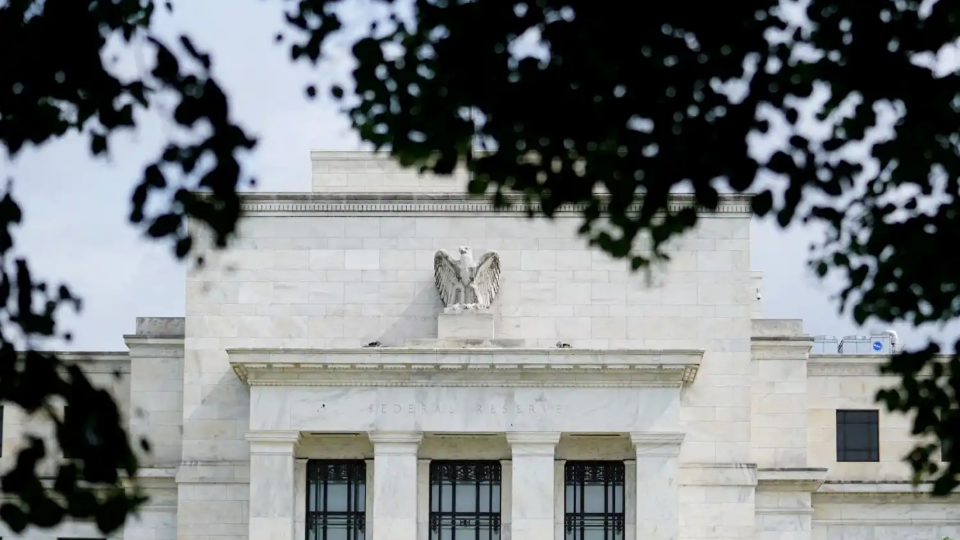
[446, 274]
[486, 282]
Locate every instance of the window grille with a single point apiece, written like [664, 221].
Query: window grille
[464, 500]
[336, 500]
[593, 500]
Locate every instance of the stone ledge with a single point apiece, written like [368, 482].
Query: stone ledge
[465, 367]
[833, 486]
[718, 474]
[213, 472]
[805, 479]
[156, 341]
[855, 365]
[111, 362]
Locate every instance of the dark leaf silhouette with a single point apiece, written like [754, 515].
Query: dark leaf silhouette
[616, 107]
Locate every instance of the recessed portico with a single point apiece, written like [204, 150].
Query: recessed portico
[528, 398]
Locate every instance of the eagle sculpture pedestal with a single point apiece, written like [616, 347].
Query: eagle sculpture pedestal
[465, 325]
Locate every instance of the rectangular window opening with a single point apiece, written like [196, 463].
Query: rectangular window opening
[858, 436]
[593, 500]
[336, 499]
[465, 500]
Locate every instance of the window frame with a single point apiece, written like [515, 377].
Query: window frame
[354, 518]
[868, 452]
[576, 520]
[487, 473]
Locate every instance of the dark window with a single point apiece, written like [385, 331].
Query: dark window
[336, 500]
[858, 436]
[464, 500]
[593, 500]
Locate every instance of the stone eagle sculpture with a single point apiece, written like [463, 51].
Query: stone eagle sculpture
[464, 284]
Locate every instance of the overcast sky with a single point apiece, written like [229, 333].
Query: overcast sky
[76, 208]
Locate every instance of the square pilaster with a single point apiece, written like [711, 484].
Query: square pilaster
[532, 494]
[395, 484]
[657, 515]
[272, 484]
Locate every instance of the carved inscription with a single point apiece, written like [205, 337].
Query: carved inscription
[478, 408]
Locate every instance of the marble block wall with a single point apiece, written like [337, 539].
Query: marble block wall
[362, 172]
[156, 384]
[884, 516]
[835, 383]
[101, 369]
[779, 393]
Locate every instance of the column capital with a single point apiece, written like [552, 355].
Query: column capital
[533, 437]
[395, 442]
[273, 441]
[533, 443]
[656, 444]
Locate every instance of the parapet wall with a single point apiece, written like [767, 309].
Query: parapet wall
[365, 172]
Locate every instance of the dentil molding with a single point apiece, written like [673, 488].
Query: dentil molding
[417, 367]
[442, 203]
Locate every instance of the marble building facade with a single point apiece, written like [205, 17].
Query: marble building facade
[318, 389]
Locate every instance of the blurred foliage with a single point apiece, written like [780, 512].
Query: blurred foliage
[613, 107]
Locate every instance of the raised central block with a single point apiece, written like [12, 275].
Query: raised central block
[465, 325]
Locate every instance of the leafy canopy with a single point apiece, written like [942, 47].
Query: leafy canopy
[638, 99]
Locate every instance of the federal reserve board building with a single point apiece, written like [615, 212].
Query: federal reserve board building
[386, 358]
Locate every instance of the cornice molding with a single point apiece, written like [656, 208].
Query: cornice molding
[805, 480]
[443, 203]
[850, 365]
[875, 521]
[95, 362]
[782, 348]
[843, 369]
[153, 341]
[840, 492]
[412, 367]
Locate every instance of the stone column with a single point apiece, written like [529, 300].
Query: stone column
[423, 499]
[368, 501]
[300, 498]
[395, 484]
[532, 493]
[630, 499]
[657, 516]
[506, 487]
[559, 499]
[272, 484]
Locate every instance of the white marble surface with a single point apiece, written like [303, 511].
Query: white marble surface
[532, 497]
[466, 410]
[272, 484]
[467, 325]
[395, 481]
[657, 466]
